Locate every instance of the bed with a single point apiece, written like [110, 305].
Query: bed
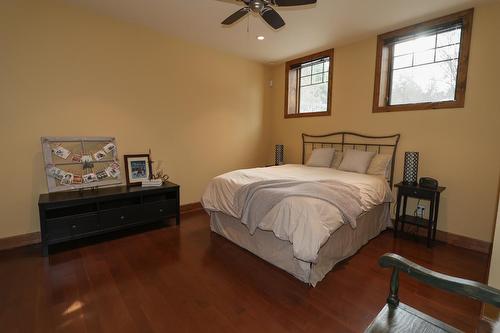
[316, 216]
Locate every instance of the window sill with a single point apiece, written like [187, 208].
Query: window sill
[419, 106]
[310, 114]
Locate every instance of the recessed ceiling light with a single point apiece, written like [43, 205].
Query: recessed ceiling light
[261, 37]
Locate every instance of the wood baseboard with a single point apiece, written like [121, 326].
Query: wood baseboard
[191, 207]
[458, 240]
[446, 237]
[465, 242]
[20, 240]
[490, 313]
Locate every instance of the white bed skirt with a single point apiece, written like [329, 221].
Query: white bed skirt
[342, 244]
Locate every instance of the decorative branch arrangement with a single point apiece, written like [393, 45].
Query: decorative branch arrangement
[158, 173]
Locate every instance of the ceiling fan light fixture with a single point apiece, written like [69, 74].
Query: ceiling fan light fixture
[257, 5]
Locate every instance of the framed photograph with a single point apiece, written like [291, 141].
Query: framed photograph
[137, 168]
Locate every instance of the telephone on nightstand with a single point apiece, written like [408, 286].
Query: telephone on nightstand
[428, 182]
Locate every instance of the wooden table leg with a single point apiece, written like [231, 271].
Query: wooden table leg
[178, 212]
[430, 227]
[436, 216]
[43, 232]
[405, 199]
[396, 221]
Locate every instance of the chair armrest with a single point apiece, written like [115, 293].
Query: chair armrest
[469, 288]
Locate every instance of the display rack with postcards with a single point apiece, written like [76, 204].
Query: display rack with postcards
[73, 163]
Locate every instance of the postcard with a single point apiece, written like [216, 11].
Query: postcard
[115, 165]
[109, 147]
[112, 172]
[76, 158]
[67, 179]
[102, 175]
[101, 154]
[61, 152]
[56, 173]
[77, 179]
[89, 178]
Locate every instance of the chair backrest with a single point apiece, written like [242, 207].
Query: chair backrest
[468, 288]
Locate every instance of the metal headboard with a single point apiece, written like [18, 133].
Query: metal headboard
[352, 140]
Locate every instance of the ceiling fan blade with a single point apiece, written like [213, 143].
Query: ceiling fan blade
[284, 3]
[236, 16]
[272, 17]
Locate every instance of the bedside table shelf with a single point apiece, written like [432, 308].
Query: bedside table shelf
[406, 191]
[414, 220]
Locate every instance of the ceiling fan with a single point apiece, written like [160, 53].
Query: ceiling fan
[264, 9]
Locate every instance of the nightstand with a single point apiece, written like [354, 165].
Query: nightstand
[423, 193]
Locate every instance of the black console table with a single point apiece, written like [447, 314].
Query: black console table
[419, 192]
[66, 216]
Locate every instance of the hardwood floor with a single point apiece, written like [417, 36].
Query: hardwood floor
[187, 279]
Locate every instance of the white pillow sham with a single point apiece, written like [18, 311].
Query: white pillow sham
[337, 159]
[356, 160]
[380, 165]
[321, 157]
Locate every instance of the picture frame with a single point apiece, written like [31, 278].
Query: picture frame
[137, 168]
[67, 159]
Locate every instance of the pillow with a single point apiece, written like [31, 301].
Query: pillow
[321, 157]
[337, 158]
[356, 160]
[380, 165]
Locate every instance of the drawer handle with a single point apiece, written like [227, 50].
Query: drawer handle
[73, 226]
[122, 217]
[161, 210]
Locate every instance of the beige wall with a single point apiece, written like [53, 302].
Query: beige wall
[459, 147]
[68, 71]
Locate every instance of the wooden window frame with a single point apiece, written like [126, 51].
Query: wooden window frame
[383, 70]
[309, 58]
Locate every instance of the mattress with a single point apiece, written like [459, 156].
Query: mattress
[220, 192]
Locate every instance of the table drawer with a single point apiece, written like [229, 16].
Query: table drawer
[416, 193]
[69, 227]
[117, 217]
[160, 209]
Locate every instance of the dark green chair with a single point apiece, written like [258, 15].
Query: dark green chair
[398, 317]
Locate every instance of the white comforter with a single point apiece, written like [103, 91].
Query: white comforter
[306, 222]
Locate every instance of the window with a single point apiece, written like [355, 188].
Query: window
[423, 66]
[309, 85]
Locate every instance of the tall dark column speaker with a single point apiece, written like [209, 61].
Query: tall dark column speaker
[279, 155]
[410, 172]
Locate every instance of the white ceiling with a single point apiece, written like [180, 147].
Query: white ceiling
[329, 23]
